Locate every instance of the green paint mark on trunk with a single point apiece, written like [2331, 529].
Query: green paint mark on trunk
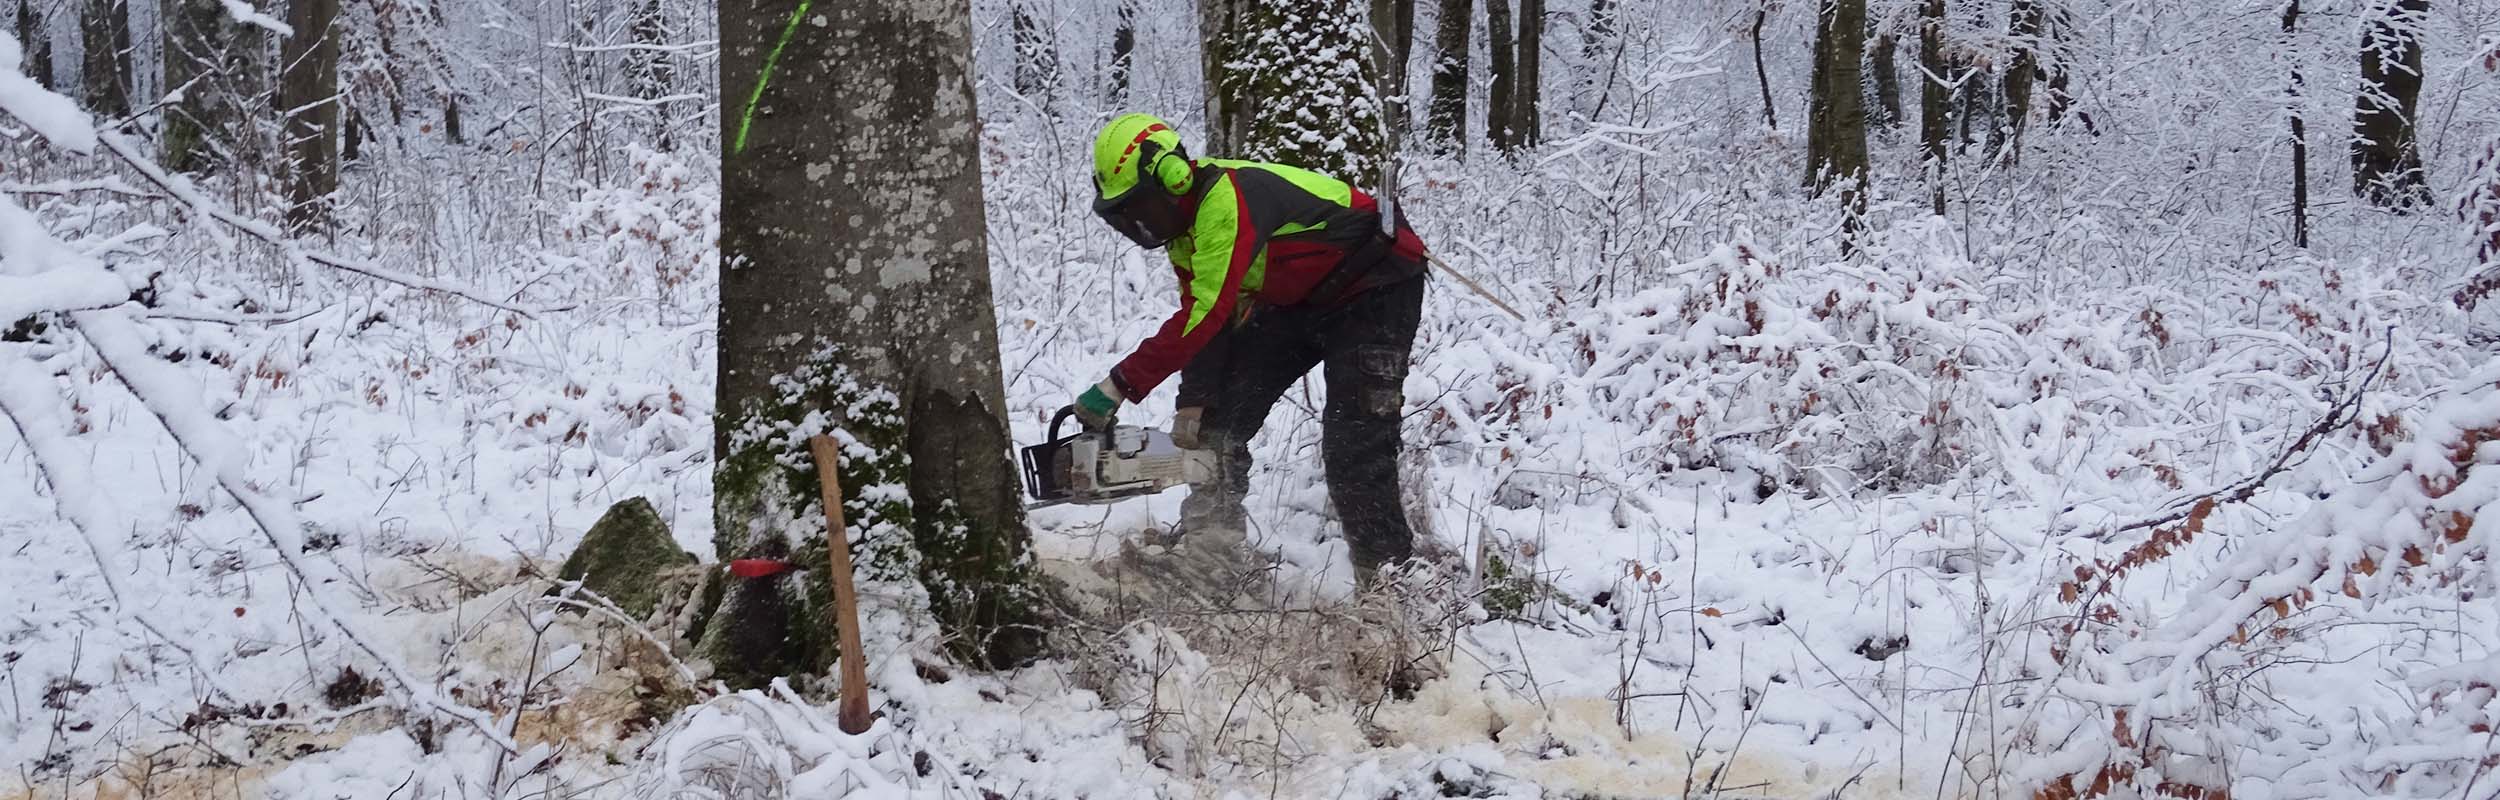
[748, 118]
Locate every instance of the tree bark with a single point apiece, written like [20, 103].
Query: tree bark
[1761, 74]
[104, 27]
[2386, 159]
[1934, 126]
[1222, 26]
[1887, 112]
[2024, 25]
[1530, 91]
[36, 38]
[2292, 100]
[649, 71]
[1446, 121]
[1499, 127]
[1836, 123]
[204, 55]
[1327, 116]
[306, 95]
[1123, 51]
[1037, 62]
[1392, 37]
[851, 217]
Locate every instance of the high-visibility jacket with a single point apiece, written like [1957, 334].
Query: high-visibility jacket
[1265, 235]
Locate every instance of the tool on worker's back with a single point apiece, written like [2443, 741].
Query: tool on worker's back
[1116, 462]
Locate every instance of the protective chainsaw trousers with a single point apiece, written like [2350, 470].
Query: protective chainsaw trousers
[1364, 346]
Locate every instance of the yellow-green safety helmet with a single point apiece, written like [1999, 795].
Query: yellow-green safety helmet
[1130, 147]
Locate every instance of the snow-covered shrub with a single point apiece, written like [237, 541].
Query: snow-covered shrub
[657, 234]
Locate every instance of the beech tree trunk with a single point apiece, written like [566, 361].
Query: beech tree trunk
[307, 95]
[2386, 159]
[1529, 93]
[1934, 124]
[1887, 112]
[104, 27]
[1836, 122]
[851, 209]
[1503, 45]
[1445, 122]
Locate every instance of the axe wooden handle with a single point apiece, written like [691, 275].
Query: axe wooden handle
[854, 711]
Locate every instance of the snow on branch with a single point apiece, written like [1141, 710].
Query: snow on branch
[54, 117]
[167, 396]
[182, 190]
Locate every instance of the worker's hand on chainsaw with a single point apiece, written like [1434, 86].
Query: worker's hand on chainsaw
[1097, 404]
[1185, 427]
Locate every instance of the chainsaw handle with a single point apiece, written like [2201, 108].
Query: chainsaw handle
[1068, 411]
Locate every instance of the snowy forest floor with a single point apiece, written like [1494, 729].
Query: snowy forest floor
[1758, 520]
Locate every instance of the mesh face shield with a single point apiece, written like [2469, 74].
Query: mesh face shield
[1144, 213]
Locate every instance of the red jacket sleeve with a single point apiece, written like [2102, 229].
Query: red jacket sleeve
[1224, 244]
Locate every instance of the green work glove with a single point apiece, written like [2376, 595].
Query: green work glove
[1097, 404]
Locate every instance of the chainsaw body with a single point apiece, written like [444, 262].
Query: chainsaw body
[1091, 467]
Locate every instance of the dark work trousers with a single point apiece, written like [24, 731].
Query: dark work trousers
[1365, 344]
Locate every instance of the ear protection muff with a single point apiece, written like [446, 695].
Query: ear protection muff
[1172, 169]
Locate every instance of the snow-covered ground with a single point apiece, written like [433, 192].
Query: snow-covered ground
[1779, 522]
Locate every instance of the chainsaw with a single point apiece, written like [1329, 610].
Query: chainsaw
[1092, 467]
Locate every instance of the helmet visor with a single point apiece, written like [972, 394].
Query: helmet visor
[1151, 219]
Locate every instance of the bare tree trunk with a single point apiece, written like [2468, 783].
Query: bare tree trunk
[36, 38]
[1123, 51]
[1499, 127]
[1446, 121]
[104, 25]
[1530, 91]
[1222, 26]
[649, 72]
[1933, 124]
[1762, 76]
[1887, 68]
[1392, 32]
[1836, 122]
[879, 96]
[2024, 25]
[2292, 99]
[307, 92]
[1037, 60]
[2386, 160]
[204, 53]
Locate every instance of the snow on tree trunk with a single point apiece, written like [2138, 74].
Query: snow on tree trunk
[306, 95]
[2292, 99]
[1123, 51]
[2024, 25]
[1445, 124]
[1296, 71]
[852, 217]
[1836, 124]
[1529, 93]
[649, 71]
[1887, 112]
[37, 41]
[1223, 26]
[1933, 120]
[1392, 37]
[2386, 160]
[1037, 60]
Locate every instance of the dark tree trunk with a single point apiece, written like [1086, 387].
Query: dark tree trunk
[1530, 91]
[1836, 121]
[1887, 112]
[830, 254]
[1223, 25]
[1392, 29]
[36, 38]
[104, 27]
[205, 53]
[2061, 27]
[2024, 25]
[307, 92]
[1499, 127]
[2386, 160]
[451, 119]
[1934, 124]
[1761, 74]
[2292, 100]
[649, 71]
[1446, 121]
[1037, 61]
[1123, 51]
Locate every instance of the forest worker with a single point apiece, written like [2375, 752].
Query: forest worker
[1280, 269]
